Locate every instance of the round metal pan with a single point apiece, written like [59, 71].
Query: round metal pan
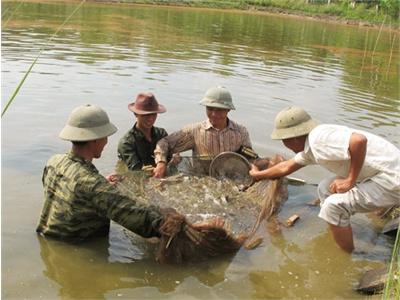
[230, 165]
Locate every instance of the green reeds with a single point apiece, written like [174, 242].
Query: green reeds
[392, 286]
[11, 15]
[37, 57]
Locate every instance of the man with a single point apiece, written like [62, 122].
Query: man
[367, 168]
[79, 202]
[208, 138]
[136, 147]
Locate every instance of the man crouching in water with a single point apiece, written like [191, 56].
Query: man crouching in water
[367, 168]
[80, 202]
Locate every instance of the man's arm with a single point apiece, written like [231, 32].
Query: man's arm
[357, 151]
[176, 142]
[109, 202]
[246, 138]
[127, 153]
[279, 170]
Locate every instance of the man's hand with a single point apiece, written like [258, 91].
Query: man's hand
[114, 178]
[160, 170]
[215, 222]
[175, 160]
[340, 185]
[253, 171]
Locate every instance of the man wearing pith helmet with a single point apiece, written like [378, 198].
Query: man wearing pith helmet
[79, 202]
[136, 147]
[366, 168]
[208, 138]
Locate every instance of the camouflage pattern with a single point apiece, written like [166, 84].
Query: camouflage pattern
[79, 203]
[136, 151]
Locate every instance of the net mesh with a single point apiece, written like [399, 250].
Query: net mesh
[204, 217]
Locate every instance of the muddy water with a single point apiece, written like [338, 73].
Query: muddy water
[108, 53]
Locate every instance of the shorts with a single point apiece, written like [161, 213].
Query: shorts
[366, 196]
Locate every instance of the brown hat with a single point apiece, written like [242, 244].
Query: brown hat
[146, 104]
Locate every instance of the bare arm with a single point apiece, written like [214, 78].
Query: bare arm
[176, 142]
[357, 150]
[279, 170]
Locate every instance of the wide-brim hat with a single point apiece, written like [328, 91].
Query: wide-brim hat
[145, 104]
[292, 122]
[218, 97]
[86, 123]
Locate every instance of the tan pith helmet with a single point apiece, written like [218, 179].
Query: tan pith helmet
[291, 122]
[86, 123]
[218, 97]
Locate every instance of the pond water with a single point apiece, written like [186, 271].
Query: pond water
[105, 55]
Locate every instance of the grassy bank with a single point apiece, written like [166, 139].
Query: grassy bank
[372, 12]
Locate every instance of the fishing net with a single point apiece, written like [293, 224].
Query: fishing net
[204, 217]
[182, 241]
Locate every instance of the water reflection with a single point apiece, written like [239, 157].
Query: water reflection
[309, 58]
[293, 279]
[85, 271]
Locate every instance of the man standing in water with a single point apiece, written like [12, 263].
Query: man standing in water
[208, 138]
[136, 147]
[79, 202]
[367, 168]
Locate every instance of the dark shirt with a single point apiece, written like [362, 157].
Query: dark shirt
[136, 151]
[79, 203]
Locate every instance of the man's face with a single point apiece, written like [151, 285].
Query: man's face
[98, 146]
[146, 121]
[218, 116]
[296, 144]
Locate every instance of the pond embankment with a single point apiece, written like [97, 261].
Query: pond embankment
[373, 13]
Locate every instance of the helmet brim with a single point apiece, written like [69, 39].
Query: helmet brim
[211, 103]
[294, 131]
[71, 133]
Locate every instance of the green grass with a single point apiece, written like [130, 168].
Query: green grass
[341, 9]
[17, 89]
[392, 286]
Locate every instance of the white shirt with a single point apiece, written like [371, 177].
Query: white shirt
[328, 146]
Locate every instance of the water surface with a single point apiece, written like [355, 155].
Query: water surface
[107, 54]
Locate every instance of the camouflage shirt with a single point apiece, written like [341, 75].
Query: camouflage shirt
[79, 202]
[136, 151]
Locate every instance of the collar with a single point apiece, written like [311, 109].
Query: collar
[306, 145]
[140, 134]
[207, 125]
[81, 160]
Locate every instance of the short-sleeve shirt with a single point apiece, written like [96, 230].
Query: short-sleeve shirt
[204, 140]
[136, 151]
[79, 203]
[328, 146]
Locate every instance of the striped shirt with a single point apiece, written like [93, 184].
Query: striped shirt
[203, 139]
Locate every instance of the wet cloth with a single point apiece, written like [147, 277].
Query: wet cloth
[79, 202]
[136, 151]
[366, 196]
[204, 140]
[378, 184]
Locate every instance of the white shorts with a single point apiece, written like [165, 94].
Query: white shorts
[366, 196]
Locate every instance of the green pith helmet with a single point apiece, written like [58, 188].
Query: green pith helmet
[86, 123]
[291, 122]
[218, 97]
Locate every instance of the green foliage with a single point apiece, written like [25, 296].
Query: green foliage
[387, 9]
[392, 287]
[391, 7]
